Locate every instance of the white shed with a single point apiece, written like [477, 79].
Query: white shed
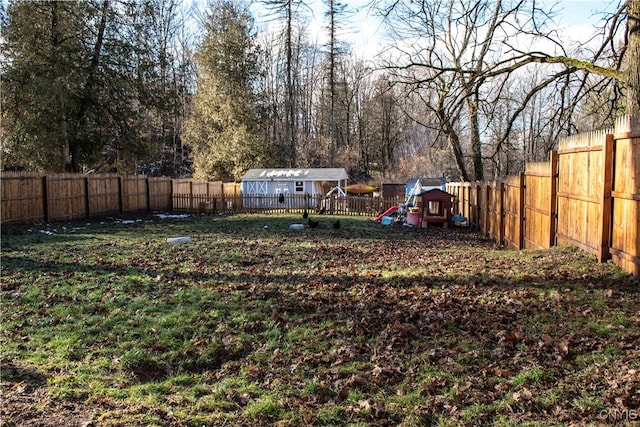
[290, 182]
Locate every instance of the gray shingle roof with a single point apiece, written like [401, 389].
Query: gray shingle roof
[317, 174]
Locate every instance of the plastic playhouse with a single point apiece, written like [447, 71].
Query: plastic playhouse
[434, 206]
[423, 206]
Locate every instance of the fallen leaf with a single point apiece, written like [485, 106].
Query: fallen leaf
[522, 395]
[562, 346]
[503, 373]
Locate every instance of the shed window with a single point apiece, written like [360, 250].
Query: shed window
[299, 186]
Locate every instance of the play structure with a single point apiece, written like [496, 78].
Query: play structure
[391, 210]
[423, 206]
[335, 191]
[335, 198]
[434, 206]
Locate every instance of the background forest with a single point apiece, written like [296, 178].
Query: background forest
[468, 89]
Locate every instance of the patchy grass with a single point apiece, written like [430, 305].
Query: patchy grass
[254, 324]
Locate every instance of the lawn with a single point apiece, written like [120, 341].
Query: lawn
[253, 324]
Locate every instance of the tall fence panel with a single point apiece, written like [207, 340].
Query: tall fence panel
[581, 171]
[197, 196]
[66, 197]
[231, 191]
[467, 202]
[460, 190]
[103, 194]
[625, 230]
[134, 193]
[160, 194]
[23, 198]
[182, 194]
[494, 226]
[513, 210]
[539, 212]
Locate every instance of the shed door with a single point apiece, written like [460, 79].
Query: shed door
[282, 188]
[257, 187]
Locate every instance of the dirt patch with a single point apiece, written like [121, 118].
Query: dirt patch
[25, 402]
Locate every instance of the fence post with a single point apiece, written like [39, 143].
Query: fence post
[172, 203]
[45, 197]
[148, 189]
[190, 208]
[87, 201]
[223, 203]
[605, 226]
[553, 203]
[521, 213]
[487, 213]
[120, 195]
[501, 213]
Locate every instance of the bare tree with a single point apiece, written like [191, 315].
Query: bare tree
[289, 12]
[462, 54]
[335, 12]
[616, 59]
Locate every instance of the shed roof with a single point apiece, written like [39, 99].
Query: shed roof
[317, 174]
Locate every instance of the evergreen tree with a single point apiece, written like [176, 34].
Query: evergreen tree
[41, 91]
[83, 84]
[223, 127]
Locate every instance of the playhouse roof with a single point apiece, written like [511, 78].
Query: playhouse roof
[435, 192]
[314, 174]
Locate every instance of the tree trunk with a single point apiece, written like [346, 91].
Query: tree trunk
[332, 83]
[291, 127]
[454, 144]
[88, 92]
[63, 135]
[633, 59]
[474, 129]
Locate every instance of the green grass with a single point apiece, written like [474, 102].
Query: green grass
[530, 376]
[254, 324]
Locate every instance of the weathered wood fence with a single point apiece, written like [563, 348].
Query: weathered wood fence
[32, 197]
[587, 195]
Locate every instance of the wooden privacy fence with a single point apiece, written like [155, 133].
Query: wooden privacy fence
[31, 197]
[587, 195]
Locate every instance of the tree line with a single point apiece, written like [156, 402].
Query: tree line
[148, 86]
